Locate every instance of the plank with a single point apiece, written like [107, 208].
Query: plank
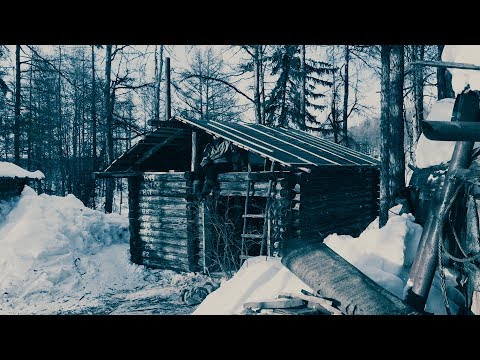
[321, 303]
[275, 304]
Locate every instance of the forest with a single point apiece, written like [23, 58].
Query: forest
[71, 110]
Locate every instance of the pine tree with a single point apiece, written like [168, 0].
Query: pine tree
[293, 100]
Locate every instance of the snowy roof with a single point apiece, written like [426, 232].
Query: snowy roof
[288, 147]
[9, 170]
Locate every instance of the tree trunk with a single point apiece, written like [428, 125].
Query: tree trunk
[384, 136]
[286, 69]
[109, 127]
[16, 127]
[94, 128]
[396, 143]
[256, 75]
[444, 78]
[30, 118]
[418, 55]
[303, 81]
[345, 97]
[262, 85]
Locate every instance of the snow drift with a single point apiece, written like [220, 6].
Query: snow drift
[385, 255]
[56, 256]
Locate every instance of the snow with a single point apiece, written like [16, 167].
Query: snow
[57, 256]
[469, 54]
[258, 279]
[385, 255]
[11, 170]
[429, 152]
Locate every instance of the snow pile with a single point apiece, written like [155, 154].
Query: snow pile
[469, 54]
[258, 279]
[57, 256]
[429, 152]
[385, 255]
[11, 170]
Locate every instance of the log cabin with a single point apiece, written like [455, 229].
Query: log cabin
[13, 179]
[296, 188]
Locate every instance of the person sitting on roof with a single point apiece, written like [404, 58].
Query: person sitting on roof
[217, 158]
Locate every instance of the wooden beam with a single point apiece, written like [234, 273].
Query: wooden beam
[446, 64]
[451, 130]
[113, 174]
[194, 164]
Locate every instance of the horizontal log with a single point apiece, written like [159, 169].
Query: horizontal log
[161, 237]
[451, 130]
[162, 185]
[167, 176]
[163, 230]
[160, 213]
[164, 227]
[326, 218]
[139, 247]
[238, 192]
[166, 192]
[166, 239]
[255, 176]
[163, 206]
[161, 200]
[338, 207]
[182, 258]
[159, 219]
[161, 263]
[115, 174]
[321, 268]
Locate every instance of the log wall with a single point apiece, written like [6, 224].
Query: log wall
[11, 187]
[169, 229]
[162, 228]
[340, 200]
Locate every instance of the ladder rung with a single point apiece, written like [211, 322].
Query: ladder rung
[253, 236]
[255, 216]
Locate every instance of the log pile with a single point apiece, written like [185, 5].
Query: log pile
[304, 303]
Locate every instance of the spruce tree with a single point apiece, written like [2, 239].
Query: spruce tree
[284, 107]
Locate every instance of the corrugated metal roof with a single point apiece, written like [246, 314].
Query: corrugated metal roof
[286, 146]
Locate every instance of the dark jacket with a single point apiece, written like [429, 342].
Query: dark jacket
[217, 152]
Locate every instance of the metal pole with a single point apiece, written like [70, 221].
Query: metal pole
[426, 260]
[168, 97]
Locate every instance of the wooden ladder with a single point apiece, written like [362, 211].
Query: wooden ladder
[265, 236]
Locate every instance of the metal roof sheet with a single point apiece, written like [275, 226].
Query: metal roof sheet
[287, 146]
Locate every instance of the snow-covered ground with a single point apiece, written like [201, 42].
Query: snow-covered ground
[59, 257]
[385, 255]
